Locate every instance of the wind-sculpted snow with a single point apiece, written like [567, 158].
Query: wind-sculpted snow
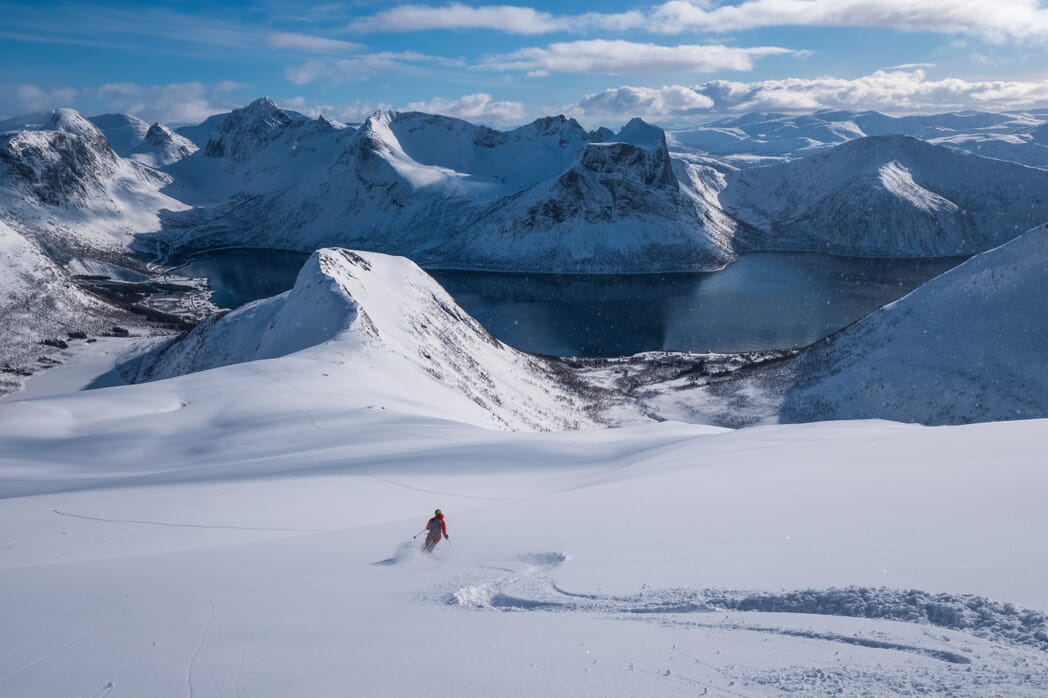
[968, 346]
[360, 306]
[890, 196]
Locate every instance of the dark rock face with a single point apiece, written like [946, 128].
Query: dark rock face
[245, 131]
[59, 168]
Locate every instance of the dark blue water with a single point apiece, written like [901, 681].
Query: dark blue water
[769, 300]
[238, 276]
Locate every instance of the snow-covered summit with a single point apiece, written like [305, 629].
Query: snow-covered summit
[245, 131]
[640, 133]
[887, 196]
[358, 310]
[161, 146]
[124, 132]
[64, 182]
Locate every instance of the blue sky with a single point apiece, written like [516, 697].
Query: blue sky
[673, 62]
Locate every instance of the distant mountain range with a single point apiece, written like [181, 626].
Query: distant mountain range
[103, 195]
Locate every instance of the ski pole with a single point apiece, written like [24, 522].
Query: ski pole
[418, 534]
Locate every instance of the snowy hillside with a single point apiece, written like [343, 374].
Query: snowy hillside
[368, 310]
[970, 345]
[889, 196]
[38, 301]
[248, 530]
[259, 149]
[544, 197]
[65, 184]
[123, 131]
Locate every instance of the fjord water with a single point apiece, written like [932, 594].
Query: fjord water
[768, 300]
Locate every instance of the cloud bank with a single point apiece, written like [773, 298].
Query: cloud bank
[480, 108]
[617, 57]
[898, 92]
[995, 21]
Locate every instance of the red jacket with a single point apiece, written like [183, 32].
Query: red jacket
[443, 526]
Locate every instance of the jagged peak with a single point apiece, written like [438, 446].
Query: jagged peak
[640, 133]
[547, 125]
[158, 134]
[261, 105]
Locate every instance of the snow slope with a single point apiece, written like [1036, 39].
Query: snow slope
[38, 300]
[371, 309]
[123, 131]
[889, 196]
[66, 185]
[258, 149]
[247, 531]
[970, 345]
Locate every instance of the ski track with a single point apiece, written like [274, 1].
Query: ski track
[192, 525]
[75, 639]
[526, 584]
[196, 652]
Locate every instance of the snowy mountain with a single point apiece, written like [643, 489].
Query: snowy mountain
[65, 184]
[161, 146]
[123, 131]
[968, 346]
[368, 310]
[260, 149]
[543, 197]
[756, 138]
[888, 196]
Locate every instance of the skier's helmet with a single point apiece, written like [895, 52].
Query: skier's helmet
[437, 512]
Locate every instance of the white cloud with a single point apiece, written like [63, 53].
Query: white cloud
[187, 102]
[616, 57]
[997, 21]
[476, 107]
[311, 44]
[362, 67]
[506, 18]
[896, 92]
[31, 98]
[647, 102]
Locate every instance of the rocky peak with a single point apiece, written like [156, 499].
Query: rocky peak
[244, 131]
[159, 135]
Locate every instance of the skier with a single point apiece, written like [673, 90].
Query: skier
[435, 527]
